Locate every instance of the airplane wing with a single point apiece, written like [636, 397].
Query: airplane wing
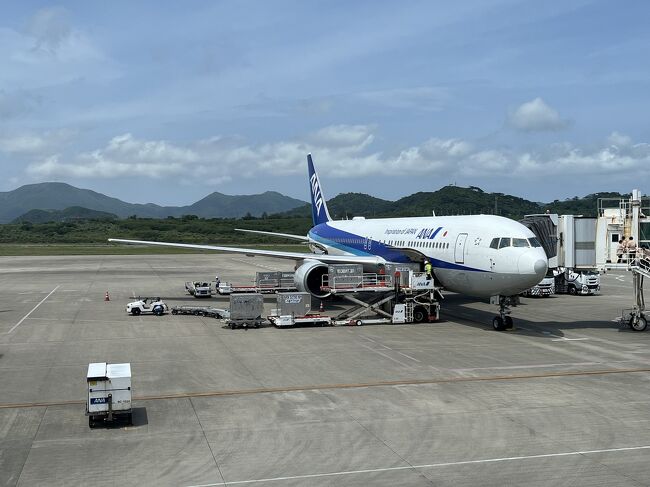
[274, 234]
[325, 258]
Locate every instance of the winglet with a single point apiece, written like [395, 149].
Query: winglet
[319, 211]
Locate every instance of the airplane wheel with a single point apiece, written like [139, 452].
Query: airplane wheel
[508, 323]
[640, 325]
[498, 324]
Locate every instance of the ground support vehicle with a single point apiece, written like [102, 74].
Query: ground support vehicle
[143, 306]
[109, 394]
[199, 289]
[224, 288]
[386, 298]
[568, 281]
[246, 310]
[545, 288]
[207, 311]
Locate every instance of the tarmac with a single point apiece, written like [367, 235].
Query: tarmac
[562, 400]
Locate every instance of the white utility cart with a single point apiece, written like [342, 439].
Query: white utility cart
[109, 393]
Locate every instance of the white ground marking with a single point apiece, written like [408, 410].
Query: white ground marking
[564, 339]
[384, 355]
[33, 309]
[263, 266]
[536, 366]
[431, 465]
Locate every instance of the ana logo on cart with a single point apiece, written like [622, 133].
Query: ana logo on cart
[292, 299]
[98, 400]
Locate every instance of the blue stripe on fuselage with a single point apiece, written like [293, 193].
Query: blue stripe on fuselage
[333, 237]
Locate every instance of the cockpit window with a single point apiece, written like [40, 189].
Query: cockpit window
[519, 242]
[504, 242]
[495, 243]
[534, 242]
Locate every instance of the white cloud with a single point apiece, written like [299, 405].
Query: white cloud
[536, 116]
[619, 139]
[32, 143]
[340, 151]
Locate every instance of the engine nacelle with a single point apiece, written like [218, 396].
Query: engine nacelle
[309, 278]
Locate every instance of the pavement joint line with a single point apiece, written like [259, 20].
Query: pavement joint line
[360, 385]
[33, 309]
[429, 465]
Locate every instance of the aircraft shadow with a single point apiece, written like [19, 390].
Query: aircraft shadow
[454, 308]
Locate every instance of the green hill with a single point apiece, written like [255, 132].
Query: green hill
[73, 213]
[59, 196]
[453, 200]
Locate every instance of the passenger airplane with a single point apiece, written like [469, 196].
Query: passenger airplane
[480, 255]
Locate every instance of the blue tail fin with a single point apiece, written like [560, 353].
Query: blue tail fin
[319, 212]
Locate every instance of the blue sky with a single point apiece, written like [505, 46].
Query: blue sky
[167, 102]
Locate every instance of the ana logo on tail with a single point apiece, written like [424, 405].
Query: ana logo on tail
[319, 211]
[316, 193]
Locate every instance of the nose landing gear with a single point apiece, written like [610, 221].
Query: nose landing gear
[503, 321]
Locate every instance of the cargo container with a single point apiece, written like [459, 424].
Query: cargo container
[296, 304]
[344, 275]
[109, 393]
[246, 310]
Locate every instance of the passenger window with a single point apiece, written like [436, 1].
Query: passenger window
[534, 242]
[504, 242]
[495, 243]
[519, 242]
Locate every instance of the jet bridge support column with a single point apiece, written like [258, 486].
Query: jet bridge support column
[640, 270]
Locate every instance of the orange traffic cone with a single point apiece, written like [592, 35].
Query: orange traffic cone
[107, 297]
[321, 308]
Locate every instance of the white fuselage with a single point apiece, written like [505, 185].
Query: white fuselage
[460, 249]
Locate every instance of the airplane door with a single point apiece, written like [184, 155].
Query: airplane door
[459, 251]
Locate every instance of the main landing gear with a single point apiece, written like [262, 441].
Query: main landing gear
[503, 321]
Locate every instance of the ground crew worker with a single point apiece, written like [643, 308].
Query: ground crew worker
[631, 249]
[428, 270]
[620, 250]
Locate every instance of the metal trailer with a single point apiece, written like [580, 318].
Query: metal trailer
[265, 283]
[207, 311]
[293, 309]
[283, 321]
[246, 310]
[109, 393]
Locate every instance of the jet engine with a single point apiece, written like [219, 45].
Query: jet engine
[309, 277]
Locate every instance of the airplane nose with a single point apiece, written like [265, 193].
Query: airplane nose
[531, 263]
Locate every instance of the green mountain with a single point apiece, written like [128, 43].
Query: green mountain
[229, 206]
[59, 196]
[453, 200]
[73, 213]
